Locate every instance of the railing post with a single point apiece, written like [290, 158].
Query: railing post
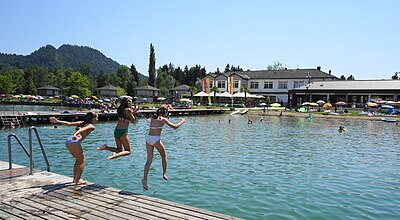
[9, 151]
[30, 152]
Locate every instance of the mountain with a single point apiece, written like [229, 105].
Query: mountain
[65, 56]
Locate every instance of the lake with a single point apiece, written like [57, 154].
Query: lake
[278, 168]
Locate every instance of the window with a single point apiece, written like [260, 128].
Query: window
[221, 84]
[253, 85]
[211, 84]
[297, 84]
[282, 84]
[268, 85]
[236, 84]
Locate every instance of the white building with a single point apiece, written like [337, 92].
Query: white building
[274, 85]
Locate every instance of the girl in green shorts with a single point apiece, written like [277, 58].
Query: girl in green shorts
[125, 114]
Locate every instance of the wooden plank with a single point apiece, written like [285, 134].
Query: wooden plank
[32, 209]
[122, 205]
[99, 206]
[17, 211]
[158, 204]
[48, 207]
[7, 215]
[58, 205]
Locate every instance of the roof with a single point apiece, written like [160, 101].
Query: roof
[146, 87]
[181, 88]
[280, 74]
[353, 85]
[48, 88]
[108, 87]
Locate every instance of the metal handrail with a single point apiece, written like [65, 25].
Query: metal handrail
[9, 148]
[41, 147]
[29, 154]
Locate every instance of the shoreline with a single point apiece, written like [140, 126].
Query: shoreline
[318, 115]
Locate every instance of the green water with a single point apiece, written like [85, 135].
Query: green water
[282, 168]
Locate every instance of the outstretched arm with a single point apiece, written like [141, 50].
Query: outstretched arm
[172, 125]
[56, 121]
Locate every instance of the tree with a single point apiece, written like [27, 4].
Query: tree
[152, 66]
[193, 90]
[395, 76]
[120, 91]
[79, 84]
[58, 77]
[245, 90]
[342, 77]
[103, 79]
[215, 90]
[16, 85]
[29, 82]
[84, 69]
[164, 82]
[125, 76]
[351, 77]
[6, 83]
[276, 66]
[227, 68]
[135, 75]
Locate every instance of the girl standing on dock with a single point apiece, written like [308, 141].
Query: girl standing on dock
[73, 143]
[153, 141]
[125, 114]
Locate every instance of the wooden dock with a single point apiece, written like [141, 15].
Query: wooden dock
[46, 195]
[42, 117]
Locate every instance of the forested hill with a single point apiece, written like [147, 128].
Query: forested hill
[65, 56]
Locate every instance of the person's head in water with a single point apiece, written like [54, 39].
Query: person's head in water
[162, 111]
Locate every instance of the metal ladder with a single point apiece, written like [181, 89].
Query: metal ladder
[6, 121]
[29, 154]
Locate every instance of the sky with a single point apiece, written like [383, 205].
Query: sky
[348, 37]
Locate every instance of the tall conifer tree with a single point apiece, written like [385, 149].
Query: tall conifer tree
[152, 66]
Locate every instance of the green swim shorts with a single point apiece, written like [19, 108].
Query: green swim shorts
[119, 132]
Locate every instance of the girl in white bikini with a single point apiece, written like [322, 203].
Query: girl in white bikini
[73, 143]
[153, 141]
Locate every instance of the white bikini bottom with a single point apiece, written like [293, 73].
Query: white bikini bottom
[152, 139]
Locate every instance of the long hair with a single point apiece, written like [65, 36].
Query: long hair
[160, 112]
[121, 108]
[88, 120]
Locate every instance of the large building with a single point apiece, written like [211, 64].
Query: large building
[356, 93]
[274, 85]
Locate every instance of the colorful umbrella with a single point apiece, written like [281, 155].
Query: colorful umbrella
[327, 105]
[387, 106]
[276, 105]
[391, 103]
[320, 102]
[184, 100]
[340, 103]
[381, 102]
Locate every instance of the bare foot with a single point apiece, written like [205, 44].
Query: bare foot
[144, 183]
[103, 147]
[114, 155]
[80, 182]
[165, 177]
